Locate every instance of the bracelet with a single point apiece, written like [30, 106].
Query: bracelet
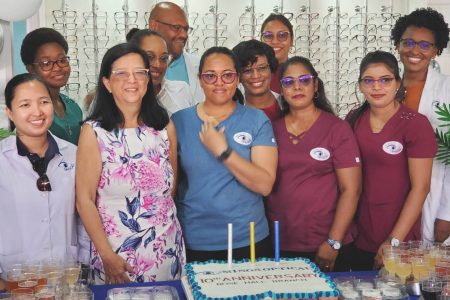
[225, 154]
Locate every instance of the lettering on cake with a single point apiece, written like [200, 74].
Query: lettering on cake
[256, 279]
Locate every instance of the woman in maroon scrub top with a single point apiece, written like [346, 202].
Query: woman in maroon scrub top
[397, 148]
[318, 177]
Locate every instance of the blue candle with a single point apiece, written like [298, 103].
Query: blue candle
[277, 240]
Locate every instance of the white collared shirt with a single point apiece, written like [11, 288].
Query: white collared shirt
[175, 95]
[35, 225]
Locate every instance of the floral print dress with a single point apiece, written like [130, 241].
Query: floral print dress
[135, 203]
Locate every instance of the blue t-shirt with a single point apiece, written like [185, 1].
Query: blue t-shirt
[209, 196]
[177, 70]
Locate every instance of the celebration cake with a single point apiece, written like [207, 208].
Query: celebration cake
[291, 278]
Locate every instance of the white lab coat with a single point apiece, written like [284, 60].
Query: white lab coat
[175, 95]
[192, 63]
[437, 205]
[35, 225]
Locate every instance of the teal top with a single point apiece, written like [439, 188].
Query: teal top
[177, 70]
[68, 128]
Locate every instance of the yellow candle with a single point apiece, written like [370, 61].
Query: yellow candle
[252, 242]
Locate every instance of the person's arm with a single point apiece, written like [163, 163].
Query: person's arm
[258, 174]
[420, 177]
[349, 182]
[173, 155]
[442, 222]
[88, 172]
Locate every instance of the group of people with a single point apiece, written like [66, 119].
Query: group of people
[174, 148]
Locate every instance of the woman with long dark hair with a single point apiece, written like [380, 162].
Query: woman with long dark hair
[397, 148]
[319, 175]
[126, 173]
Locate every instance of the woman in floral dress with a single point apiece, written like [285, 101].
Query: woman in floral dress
[126, 166]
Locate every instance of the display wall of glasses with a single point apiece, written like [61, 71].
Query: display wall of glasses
[334, 34]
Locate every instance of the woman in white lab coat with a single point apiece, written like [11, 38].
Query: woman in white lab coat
[419, 37]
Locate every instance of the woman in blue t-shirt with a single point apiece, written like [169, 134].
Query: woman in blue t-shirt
[228, 155]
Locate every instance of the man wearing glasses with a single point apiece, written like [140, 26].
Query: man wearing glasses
[169, 20]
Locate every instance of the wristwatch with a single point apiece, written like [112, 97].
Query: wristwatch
[225, 154]
[335, 245]
[393, 241]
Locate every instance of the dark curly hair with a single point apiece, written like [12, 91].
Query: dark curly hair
[427, 18]
[247, 51]
[35, 39]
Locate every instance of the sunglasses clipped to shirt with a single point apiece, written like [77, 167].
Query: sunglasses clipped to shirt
[43, 182]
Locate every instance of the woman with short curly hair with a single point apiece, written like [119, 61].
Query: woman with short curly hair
[44, 53]
[419, 37]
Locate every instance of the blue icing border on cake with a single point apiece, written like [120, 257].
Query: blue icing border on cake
[198, 295]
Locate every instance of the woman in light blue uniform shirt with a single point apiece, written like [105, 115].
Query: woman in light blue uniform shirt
[37, 181]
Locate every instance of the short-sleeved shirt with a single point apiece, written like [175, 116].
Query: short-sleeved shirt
[305, 195]
[386, 181]
[36, 225]
[209, 196]
[68, 128]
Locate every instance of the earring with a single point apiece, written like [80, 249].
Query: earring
[316, 95]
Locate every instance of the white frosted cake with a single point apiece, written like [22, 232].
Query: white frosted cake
[291, 278]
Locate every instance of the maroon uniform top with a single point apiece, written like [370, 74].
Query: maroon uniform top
[275, 84]
[305, 194]
[273, 112]
[386, 180]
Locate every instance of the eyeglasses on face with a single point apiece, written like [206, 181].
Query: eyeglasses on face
[268, 36]
[410, 43]
[226, 77]
[138, 74]
[370, 82]
[247, 72]
[289, 81]
[47, 65]
[43, 182]
[177, 27]
[164, 59]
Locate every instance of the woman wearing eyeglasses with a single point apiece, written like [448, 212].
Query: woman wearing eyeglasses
[278, 33]
[318, 176]
[126, 171]
[258, 62]
[419, 37]
[37, 181]
[227, 153]
[397, 148]
[173, 95]
[44, 52]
